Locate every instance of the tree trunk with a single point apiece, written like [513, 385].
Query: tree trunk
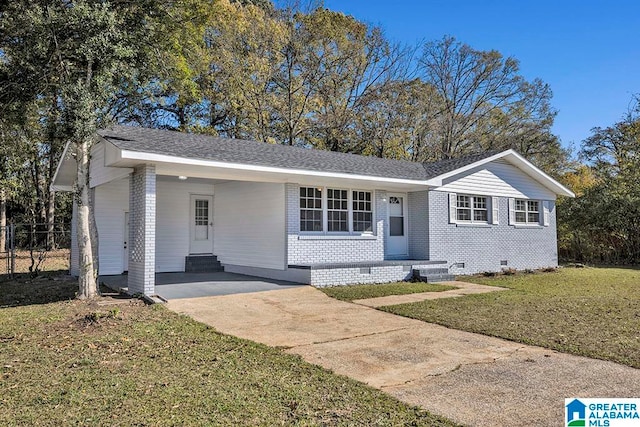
[51, 202]
[3, 219]
[94, 232]
[87, 280]
[51, 210]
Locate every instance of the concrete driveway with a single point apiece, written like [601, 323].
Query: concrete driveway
[470, 378]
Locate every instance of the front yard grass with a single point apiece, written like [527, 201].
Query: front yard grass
[593, 312]
[354, 292]
[120, 362]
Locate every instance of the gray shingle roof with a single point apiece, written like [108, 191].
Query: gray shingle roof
[206, 147]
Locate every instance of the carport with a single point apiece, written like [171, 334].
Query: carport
[193, 285]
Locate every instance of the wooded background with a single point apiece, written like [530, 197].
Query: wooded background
[309, 77]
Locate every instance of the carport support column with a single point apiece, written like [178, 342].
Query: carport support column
[142, 230]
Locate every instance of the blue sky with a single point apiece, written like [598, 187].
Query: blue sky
[588, 51]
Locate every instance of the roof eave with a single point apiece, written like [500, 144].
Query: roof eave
[128, 157]
[65, 160]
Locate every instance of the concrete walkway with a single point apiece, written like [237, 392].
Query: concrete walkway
[470, 378]
[462, 289]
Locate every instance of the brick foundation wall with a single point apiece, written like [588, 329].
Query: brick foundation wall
[350, 276]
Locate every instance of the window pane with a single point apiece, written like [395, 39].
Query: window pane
[480, 202]
[520, 205]
[463, 201]
[396, 226]
[362, 221]
[521, 217]
[201, 212]
[480, 215]
[362, 215]
[534, 217]
[464, 214]
[337, 221]
[310, 209]
[337, 214]
[396, 206]
[532, 205]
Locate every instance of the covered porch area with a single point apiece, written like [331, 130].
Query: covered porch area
[171, 286]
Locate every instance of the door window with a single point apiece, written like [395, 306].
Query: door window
[202, 219]
[396, 216]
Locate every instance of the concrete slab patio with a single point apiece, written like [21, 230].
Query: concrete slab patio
[470, 378]
[195, 285]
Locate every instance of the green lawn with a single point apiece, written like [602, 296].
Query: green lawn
[592, 312]
[350, 293]
[120, 362]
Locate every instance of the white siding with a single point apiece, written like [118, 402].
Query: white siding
[249, 224]
[111, 202]
[172, 222]
[100, 174]
[497, 178]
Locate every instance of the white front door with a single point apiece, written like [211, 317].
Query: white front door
[397, 243]
[201, 225]
[125, 256]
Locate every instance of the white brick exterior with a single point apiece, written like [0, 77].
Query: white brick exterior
[483, 247]
[256, 214]
[418, 207]
[142, 230]
[431, 236]
[315, 249]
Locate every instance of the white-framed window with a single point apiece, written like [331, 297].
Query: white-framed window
[471, 208]
[362, 211]
[311, 214]
[527, 211]
[336, 210]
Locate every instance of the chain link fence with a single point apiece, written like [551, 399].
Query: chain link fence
[34, 248]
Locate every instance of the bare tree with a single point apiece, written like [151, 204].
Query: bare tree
[486, 102]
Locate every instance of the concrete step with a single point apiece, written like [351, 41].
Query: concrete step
[203, 269]
[433, 275]
[435, 278]
[202, 258]
[202, 264]
[429, 271]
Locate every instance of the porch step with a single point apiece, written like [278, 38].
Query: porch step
[432, 271]
[202, 264]
[433, 275]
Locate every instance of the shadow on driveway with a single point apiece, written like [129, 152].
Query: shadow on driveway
[194, 285]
